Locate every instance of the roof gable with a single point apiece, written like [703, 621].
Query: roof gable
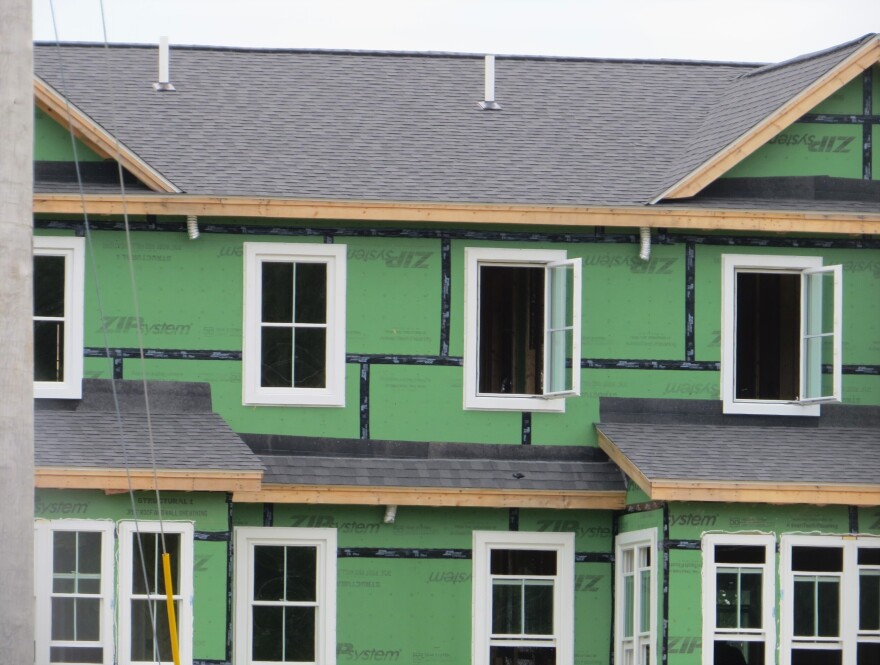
[757, 105]
[101, 142]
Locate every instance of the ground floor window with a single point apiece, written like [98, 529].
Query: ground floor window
[523, 598]
[636, 593]
[144, 634]
[285, 595]
[738, 599]
[73, 591]
[831, 600]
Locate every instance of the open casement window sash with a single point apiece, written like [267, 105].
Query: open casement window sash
[562, 341]
[822, 309]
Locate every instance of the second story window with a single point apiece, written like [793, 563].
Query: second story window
[58, 316]
[294, 324]
[522, 329]
[781, 326]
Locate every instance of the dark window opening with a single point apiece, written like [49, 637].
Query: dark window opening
[768, 310]
[522, 656]
[739, 653]
[49, 318]
[817, 559]
[293, 335]
[740, 553]
[816, 657]
[511, 339]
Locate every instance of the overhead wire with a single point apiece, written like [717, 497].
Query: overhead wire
[101, 312]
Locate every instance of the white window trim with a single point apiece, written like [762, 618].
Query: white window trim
[73, 250]
[768, 595]
[563, 611]
[334, 256]
[626, 541]
[127, 532]
[473, 258]
[325, 625]
[43, 572]
[730, 263]
[849, 591]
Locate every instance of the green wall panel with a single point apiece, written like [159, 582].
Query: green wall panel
[635, 494]
[393, 296]
[418, 403]
[52, 142]
[692, 520]
[649, 519]
[875, 142]
[404, 611]
[869, 520]
[225, 379]
[806, 149]
[206, 510]
[685, 607]
[875, 97]
[414, 527]
[592, 615]
[209, 600]
[591, 528]
[845, 101]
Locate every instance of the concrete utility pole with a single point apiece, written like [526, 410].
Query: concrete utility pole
[16, 335]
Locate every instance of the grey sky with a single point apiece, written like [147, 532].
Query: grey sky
[740, 30]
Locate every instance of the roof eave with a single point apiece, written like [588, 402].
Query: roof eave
[113, 480]
[736, 151]
[427, 496]
[460, 213]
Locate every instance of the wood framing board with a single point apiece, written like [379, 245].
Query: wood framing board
[488, 214]
[665, 489]
[53, 104]
[420, 496]
[784, 116]
[146, 479]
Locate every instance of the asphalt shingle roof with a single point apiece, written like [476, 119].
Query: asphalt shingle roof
[694, 453]
[304, 461]
[407, 127]
[187, 435]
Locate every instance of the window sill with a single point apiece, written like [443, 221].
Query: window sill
[513, 403]
[769, 408]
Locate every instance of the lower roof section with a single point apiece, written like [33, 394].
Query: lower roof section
[351, 471]
[683, 450]
[107, 440]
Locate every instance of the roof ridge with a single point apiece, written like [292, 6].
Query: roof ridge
[417, 54]
[809, 56]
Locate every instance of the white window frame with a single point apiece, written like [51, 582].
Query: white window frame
[43, 578]
[802, 265]
[325, 622]
[563, 597]
[849, 593]
[73, 250]
[128, 531]
[474, 258]
[635, 541]
[768, 594]
[334, 256]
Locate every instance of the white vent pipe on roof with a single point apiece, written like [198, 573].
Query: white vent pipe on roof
[390, 514]
[645, 243]
[489, 103]
[164, 82]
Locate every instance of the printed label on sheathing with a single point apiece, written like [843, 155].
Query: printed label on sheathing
[685, 644]
[813, 143]
[124, 324]
[352, 652]
[448, 577]
[439, 657]
[588, 583]
[330, 522]
[44, 508]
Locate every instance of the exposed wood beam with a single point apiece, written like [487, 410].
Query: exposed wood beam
[784, 116]
[143, 479]
[420, 496]
[435, 213]
[625, 464]
[775, 493]
[53, 104]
